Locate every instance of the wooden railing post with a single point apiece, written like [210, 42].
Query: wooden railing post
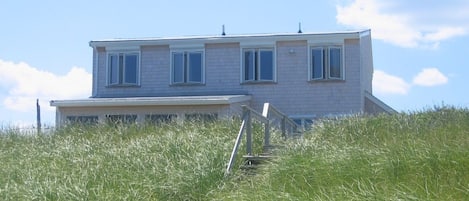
[248, 131]
[267, 134]
[283, 127]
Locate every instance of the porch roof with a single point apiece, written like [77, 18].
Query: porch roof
[152, 101]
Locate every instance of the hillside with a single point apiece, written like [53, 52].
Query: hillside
[419, 156]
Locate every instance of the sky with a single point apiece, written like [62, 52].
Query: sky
[420, 50]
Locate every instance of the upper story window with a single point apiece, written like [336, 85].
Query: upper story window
[187, 67]
[123, 69]
[326, 63]
[258, 65]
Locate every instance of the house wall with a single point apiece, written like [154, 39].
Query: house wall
[293, 94]
[220, 110]
[366, 62]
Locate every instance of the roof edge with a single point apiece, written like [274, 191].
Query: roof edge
[388, 109]
[152, 101]
[227, 38]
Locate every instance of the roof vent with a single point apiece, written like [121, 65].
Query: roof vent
[299, 28]
[223, 30]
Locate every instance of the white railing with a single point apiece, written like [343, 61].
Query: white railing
[270, 118]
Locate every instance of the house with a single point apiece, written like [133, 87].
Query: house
[305, 75]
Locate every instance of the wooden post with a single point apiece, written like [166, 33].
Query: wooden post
[283, 127]
[38, 116]
[267, 134]
[248, 131]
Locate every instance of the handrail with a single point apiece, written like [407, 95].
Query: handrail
[235, 148]
[256, 114]
[250, 113]
[269, 109]
[246, 126]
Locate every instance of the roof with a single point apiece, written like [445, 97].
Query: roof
[383, 106]
[227, 38]
[152, 101]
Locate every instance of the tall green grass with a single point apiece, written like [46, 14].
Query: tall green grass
[418, 156]
[164, 162]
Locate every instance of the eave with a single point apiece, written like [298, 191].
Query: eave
[152, 101]
[227, 39]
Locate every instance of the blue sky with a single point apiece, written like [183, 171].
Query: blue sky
[419, 49]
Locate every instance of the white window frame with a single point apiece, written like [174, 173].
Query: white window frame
[311, 70]
[257, 67]
[325, 63]
[123, 81]
[186, 72]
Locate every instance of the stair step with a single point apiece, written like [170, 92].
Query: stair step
[256, 160]
[252, 162]
[262, 157]
[271, 148]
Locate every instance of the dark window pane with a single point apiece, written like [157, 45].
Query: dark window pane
[297, 121]
[131, 66]
[195, 67]
[113, 119]
[178, 67]
[317, 64]
[249, 66]
[120, 118]
[334, 63]
[113, 69]
[121, 68]
[266, 65]
[160, 118]
[130, 119]
[87, 120]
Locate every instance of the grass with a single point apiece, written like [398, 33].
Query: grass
[418, 156]
[423, 155]
[168, 162]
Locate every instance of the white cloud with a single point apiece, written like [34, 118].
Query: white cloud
[443, 33]
[430, 77]
[24, 84]
[384, 83]
[401, 29]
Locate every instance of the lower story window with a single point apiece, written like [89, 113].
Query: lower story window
[201, 117]
[121, 118]
[160, 118]
[304, 123]
[82, 119]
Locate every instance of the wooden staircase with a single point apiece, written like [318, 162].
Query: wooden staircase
[269, 117]
[252, 163]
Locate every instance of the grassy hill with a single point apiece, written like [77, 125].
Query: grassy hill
[418, 156]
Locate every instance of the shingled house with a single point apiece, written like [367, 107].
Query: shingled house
[305, 75]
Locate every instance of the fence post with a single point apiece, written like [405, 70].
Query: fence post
[283, 127]
[38, 117]
[248, 131]
[267, 134]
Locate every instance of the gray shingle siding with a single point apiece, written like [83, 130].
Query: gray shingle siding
[292, 93]
[367, 63]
